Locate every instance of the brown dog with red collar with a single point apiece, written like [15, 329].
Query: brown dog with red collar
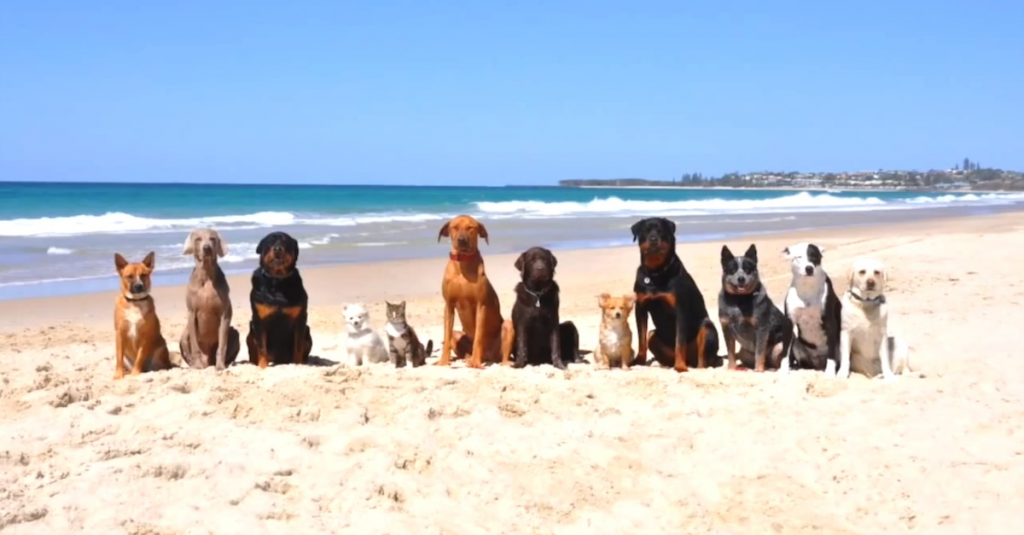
[485, 336]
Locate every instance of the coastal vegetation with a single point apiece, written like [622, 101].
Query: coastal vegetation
[964, 176]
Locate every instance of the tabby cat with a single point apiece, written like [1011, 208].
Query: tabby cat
[405, 346]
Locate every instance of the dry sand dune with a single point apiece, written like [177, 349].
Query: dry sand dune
[329, 449]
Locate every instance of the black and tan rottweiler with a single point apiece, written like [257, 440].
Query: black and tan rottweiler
[278, 331]
[683, 334]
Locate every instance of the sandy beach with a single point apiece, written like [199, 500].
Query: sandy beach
[332, 449]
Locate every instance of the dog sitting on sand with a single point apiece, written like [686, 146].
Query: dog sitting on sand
[136, 326]
[865, 345]
[812, 305]
[615, 339]
[363, 343]
[749, 317]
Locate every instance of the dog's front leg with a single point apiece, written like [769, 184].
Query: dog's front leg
[261, 343]
[760, 349]
[681, 349]
[223, 331]
[449, 325]
[144, 352]
[885, 355]
[476, 360]
[521, 345]
[729, 337]
[118, 356]
[641, 331]
[844, 355]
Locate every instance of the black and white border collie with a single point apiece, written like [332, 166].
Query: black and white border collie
[815, 309]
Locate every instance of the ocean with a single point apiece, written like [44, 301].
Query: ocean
[59, 238]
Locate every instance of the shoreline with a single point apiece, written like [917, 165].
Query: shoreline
[418, 241]
[335, 280]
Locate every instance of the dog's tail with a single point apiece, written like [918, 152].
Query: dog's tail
[429, 348]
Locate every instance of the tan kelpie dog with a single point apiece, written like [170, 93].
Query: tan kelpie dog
[136, 327]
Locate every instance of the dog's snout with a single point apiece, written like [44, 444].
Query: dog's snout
[207, 248]
[809, 270]
[138, 287]
[277, 249]
[462, 239]
[741, 280]
[870, 283]
[618, 315]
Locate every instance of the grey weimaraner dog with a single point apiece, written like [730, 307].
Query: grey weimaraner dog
[209, 337]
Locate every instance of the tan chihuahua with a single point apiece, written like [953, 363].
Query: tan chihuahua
[615, 346]
[136, 327]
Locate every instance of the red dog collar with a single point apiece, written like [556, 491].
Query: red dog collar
[463, 257]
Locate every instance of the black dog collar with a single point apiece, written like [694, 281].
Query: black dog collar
[136, 299]
[670, 268]
[272, 276]
[873, 301]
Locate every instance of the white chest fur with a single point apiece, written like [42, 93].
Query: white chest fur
[133, 318]
[615, 337]
[805, 303]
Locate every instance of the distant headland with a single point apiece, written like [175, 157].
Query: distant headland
[965, 176]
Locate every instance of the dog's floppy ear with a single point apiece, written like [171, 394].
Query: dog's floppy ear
[849, 275]
[149, 261]
[727, 255]
[554, 261]
[262, 245]
[751, 252]
[222, 246]
[671, 225]
[481, 231]
[443, 233]
[520, 262]
[636, 228]
[293, 246]
[119, 262]
[189, 248]
[602, 299]
[785, 252]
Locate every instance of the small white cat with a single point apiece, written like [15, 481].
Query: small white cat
[363, 342]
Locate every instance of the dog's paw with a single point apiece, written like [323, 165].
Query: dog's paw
[890, 378]
[843, 373]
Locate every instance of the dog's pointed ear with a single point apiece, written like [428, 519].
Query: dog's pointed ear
[189, 248]
[603, 298]
[751, 252]
[727, 255]
[630, 299]
[222, 246]
[443, 233]
[119, 262]
[149, 261]
[636, 228]
[520, 262]
[482, 232]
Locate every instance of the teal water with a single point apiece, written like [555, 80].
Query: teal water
[59, 238]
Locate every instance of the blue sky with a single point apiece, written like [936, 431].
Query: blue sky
[526, 92]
